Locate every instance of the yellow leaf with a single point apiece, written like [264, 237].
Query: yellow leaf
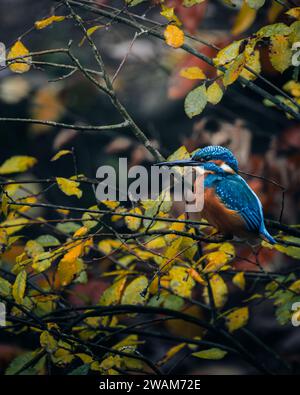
[110, 204]
[171, 253]
[280, 54]
[181, 282]
[237, 319]
[292, 87]
[244, 19]
[17, 164]
[193, 73]
[48, 21]
[14, 225]
[168, 12]
[239, 280]
[134, 292]
[85, 358]
[253, 62]
[216, 260]
[294, 12]
[60, 154]
[171, 353]
[219, 291]
[80, 232]
[133, 223]
[112, 295]
[69, 187]
[174, 36]
[19, 286]
[196, 276]
[228, 54]
[89, 32]
[68, 270]
[23, 64]
[212, 353]
[33, 248]
[214, 93]
[234, 70]
[48, 342]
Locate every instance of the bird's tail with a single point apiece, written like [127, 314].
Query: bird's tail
[266, 235]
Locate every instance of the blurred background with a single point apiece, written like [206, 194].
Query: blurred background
[264, 140]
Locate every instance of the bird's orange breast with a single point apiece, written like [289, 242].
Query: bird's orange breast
[228, 222]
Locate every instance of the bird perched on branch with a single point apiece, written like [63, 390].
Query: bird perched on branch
[230, 205]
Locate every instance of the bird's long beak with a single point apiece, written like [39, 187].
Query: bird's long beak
[181, 163]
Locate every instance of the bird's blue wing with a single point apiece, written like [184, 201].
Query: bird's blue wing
[235, 193]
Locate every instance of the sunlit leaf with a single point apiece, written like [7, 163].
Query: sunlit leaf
[294, 12]
[17, 164]
[48, 21]
[174, 36]
[239, 280]
[60, 154]
[69, 187]
[169, 14]
[23, 64]
[192, 73]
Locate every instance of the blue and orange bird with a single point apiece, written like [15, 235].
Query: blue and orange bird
[230, 205]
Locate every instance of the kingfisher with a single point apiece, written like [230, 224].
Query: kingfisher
[230, 205]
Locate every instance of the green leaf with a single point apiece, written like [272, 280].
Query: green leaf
[272, 30]
[19, 362]
[5, 287]
[19, 286]
[133, 293]
[80, 370]
[68, 227]
[195, 101]
[211, 353]
[47, 241]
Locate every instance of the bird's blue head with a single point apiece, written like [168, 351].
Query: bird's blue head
[218, 155]
[211, 157]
